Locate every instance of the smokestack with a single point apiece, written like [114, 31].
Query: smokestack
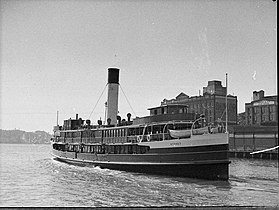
[112, 102]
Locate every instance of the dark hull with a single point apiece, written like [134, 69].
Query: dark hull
[210, 171]
[210, 165]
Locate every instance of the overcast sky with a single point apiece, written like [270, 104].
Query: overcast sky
[55, 54]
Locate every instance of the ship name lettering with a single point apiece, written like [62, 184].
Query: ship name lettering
[176, 143]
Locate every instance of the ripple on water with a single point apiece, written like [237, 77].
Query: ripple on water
[30, 177]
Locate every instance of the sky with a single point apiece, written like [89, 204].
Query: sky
[55, 55]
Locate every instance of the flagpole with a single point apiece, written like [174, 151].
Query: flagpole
[57, 118]
[226, 102]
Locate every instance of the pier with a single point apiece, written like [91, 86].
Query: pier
[245, 140]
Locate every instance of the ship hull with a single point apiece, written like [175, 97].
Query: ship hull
[211, 170]
[181, 158]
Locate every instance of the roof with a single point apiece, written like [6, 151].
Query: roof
[169, 105]
[263, 100]
[183, 95]
[271, 97]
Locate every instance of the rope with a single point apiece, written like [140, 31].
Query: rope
[127, 100]
[265, 150]
[222, 114]
[97, 101]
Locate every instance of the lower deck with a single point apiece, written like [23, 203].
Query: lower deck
[160, 155]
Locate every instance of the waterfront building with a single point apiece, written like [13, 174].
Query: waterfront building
[241, 120]
[212, 103]
[262, 110]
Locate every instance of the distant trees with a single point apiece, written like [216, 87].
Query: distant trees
[23, 137]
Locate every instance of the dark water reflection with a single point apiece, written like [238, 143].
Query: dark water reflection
[30, 177]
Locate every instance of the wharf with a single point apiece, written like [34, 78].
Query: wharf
[247, 139]
[263, 155]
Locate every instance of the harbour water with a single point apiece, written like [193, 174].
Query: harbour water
[30, 177]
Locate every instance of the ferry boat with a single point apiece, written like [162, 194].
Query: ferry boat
[169, 142]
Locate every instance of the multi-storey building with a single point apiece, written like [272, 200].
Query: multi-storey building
[212, 103]
[262, 110]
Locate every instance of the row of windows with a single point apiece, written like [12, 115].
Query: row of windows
[261, 118]
[261, 109]
[114, 133]
[263, 115]
[102, 149]
[78, 134]
[122, 132]
[164, 110]
[148, 130]
[204, 111]
[201, 105]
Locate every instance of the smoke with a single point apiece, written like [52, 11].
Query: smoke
[199, 58]
[254, 75]
[204, 45]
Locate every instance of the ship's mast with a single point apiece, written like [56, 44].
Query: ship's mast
[226, 102]
[57, 118]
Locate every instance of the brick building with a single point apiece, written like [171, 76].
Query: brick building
[262, 110]
[212, 103]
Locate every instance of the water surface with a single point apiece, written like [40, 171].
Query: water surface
[30, 177]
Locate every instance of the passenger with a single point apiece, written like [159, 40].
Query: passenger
[219, 128]
[210, 128]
